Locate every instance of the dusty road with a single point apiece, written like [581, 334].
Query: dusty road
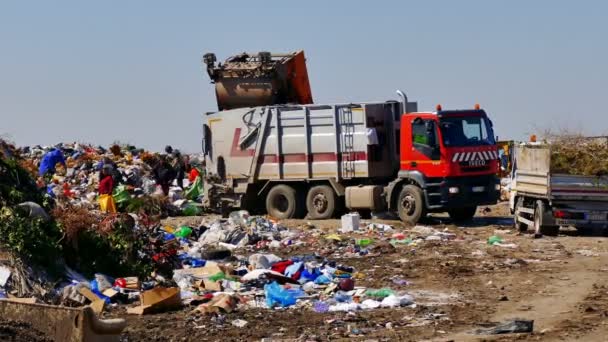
[459, 285]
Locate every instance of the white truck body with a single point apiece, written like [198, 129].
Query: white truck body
[248, 148]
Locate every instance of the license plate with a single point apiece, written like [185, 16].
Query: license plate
[596, 217]
[479, 188]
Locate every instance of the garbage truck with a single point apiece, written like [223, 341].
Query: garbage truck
[545, 200]
[289, 160]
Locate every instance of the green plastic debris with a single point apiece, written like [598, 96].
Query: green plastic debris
[121, 195]
[191, 210]
[381, 293]
[183, 232]
[364, 242]
[396, 242]
[218, 276]
[492, 240]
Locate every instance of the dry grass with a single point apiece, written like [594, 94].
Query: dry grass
[574, 154]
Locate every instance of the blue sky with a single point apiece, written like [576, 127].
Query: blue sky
[131, 70]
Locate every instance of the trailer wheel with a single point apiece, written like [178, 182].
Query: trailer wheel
[520, 226]
[539, 210]
[410, 204]
[282, 202]
[462, 214]
[321, 202]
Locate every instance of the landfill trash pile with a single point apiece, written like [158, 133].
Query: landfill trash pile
[575, 154]
[72, 173]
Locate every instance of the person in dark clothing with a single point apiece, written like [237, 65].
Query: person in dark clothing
[178, 163]
[164, 174]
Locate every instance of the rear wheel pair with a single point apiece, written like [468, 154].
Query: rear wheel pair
[284, 202]
[539, 211]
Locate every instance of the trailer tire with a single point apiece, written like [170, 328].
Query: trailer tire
[462, 214]
[539, 210]
[410, 204]
[282, 202]
[321, 202]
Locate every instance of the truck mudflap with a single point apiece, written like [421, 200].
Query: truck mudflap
[456, 192]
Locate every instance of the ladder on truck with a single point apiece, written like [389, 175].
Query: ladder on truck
[347, 137]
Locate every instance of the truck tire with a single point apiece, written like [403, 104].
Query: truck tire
[520, 226]
[321, 202]
[410, 204]
[539, 210]
[462, 214]
[282, 202]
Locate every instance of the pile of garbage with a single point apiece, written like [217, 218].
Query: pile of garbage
[70, 174]
[201, 267]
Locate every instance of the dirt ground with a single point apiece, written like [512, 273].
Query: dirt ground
[459, 286]
[16, 331]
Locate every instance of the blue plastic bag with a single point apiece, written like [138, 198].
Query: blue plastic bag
[277, 295]
[322, 280]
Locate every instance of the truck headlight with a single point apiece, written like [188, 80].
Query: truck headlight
[454, 190]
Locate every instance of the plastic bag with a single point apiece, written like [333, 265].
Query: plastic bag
[191, 210]
[195, 190]
[107, 204]
[277, 295]
[121, 195]
[183, 232]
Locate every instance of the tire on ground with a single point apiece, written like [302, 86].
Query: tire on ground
[539, 210]
[321, 202]
[410, 204]
[462, 214]
[282, 202]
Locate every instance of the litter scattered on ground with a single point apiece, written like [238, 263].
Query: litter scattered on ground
[510, 327]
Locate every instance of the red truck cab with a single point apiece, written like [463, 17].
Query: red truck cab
[449, 161]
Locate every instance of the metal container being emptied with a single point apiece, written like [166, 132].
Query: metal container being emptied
[259, 79]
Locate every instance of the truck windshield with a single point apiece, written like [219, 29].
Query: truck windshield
[467, 131]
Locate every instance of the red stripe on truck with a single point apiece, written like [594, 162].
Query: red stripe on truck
[315, 157]
[235, 151]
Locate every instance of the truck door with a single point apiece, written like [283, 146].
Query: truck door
[421, 150]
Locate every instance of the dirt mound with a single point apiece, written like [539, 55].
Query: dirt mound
[17, 331]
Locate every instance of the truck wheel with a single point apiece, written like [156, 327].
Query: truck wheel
[321, 202]
[543, 230]
[520, 226]
[282, 202]
[462, 214]
[410, 204]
